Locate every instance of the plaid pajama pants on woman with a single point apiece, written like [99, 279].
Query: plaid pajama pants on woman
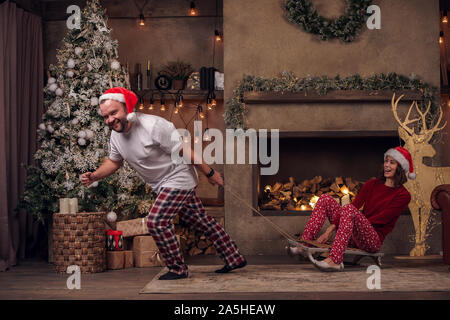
[352, 227]
[188, 206]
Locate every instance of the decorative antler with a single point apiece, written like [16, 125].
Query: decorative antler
[403, 124]
[425, 130]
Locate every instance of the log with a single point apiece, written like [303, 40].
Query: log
[335, 188]
[202, 245]
[194, 251]
[277, 186]
[339, 180]
[316, 180]
[210, 250]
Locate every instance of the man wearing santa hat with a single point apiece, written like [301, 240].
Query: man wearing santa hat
[146, 142]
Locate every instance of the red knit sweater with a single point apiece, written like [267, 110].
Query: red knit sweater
[382, 205]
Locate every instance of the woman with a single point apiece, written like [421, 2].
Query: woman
[384, 199]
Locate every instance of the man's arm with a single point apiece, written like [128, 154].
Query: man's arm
[198, 162]
[107, 168]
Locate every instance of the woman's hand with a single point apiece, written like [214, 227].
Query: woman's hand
[327, 234]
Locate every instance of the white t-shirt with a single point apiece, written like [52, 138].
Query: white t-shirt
[147, 148]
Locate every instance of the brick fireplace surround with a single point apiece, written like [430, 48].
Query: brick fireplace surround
[360, 119]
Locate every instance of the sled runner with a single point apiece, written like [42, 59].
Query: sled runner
[314, 249]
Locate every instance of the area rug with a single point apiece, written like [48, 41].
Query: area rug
[301, 278]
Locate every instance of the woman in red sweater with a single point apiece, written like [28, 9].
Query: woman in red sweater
[383, 198]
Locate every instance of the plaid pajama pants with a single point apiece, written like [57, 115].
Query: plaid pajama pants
[188, 206]
[352, 227]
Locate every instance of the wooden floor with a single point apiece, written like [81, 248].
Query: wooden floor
[36, 280]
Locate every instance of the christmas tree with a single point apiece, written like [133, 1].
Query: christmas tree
[73, 137]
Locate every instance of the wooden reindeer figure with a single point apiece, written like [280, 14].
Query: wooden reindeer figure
[426, 177]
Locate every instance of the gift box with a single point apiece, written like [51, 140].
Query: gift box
[134, 227]
[144, 259]
[144, 243]
[120, 259]
[114, 240]
[145, 252]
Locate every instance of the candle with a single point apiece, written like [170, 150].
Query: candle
[64, 205]
[73, 205]
[148, 65]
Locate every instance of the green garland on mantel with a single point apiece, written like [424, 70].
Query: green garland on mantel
[236, 110]
[345, 27]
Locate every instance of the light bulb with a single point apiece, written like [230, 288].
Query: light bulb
[193, 11]
[141, 106]
[151, 107]
[206, 136]
[141, 20]
[176, 110]
[163, 107]
[217, 35]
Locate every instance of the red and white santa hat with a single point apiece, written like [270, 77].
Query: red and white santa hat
[403, 157]
[122, 95]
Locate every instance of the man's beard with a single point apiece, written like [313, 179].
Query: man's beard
[124, 124]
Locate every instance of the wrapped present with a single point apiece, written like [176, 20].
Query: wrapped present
[144, 259]
[146, 252]
[114, 240]
[120, 259]
[134, 227]
[144, 243]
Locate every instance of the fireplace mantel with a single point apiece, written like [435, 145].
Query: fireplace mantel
[263, 97]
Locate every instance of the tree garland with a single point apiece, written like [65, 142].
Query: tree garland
[236, 109]
[346, 27]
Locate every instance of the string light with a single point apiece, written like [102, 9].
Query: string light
[151, 107]
[444, 17]
[441, 37]
[196, 138]
[207, 136]
[141, 105]
[163, 105]
[141, 20]
[180, 101]
[193, 10]
[213, 99]
[218, 36]
[200, 112]
[208, 103]
[186, 136]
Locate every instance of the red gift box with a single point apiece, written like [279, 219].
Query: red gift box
[114, 240]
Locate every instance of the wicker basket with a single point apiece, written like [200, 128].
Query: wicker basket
[79, 239]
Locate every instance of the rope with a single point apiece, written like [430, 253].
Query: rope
[277, 228]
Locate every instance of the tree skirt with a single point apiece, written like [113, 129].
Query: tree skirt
[300, 278]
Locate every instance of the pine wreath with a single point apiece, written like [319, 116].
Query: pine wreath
[345, 27]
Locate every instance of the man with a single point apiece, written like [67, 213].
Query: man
[145, 142]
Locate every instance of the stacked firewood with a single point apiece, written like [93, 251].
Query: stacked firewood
[193, 243]
[303, 196]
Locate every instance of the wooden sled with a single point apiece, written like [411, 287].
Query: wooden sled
[314, 248]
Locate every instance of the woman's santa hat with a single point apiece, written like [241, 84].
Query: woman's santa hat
[403, 157]
[122, 95]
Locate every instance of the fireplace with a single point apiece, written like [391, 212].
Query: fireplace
[314, 163]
